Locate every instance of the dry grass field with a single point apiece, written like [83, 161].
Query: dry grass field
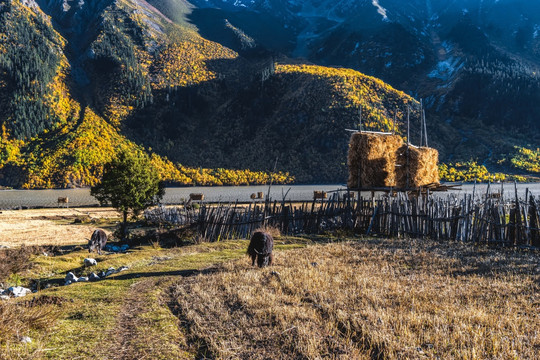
[51, 226]
[382, 299]
[335, 297]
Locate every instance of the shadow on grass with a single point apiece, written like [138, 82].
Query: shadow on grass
[181, 273]
[130, 276]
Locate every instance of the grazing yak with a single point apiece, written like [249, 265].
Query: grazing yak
[260, 249]
[97, 241]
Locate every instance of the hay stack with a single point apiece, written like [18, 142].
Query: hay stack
[353, 160]
[372, 159]
[423, 167]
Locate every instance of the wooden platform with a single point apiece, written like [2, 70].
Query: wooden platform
[421, 189]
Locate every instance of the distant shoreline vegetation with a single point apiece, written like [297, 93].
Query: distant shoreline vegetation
[525, 162]
[471, 171]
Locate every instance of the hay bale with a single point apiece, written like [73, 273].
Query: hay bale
[372, 159]
[353, 160]
[423, 166]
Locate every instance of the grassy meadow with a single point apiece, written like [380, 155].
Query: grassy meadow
[337, 296]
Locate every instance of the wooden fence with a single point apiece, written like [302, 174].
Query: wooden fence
[486, 219]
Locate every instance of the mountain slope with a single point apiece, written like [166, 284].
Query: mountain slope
[107, 75]
[475, 63]
[62, 109]
[298, 115]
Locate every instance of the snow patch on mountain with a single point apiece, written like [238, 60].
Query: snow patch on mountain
[380, 9]
[356, 47]
[446, 69]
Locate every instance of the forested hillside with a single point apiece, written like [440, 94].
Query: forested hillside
[78, 82]
[62, 115]
[476, 64]
[298, 116]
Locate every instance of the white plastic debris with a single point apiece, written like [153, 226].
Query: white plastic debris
[110, 271]
[17, 291]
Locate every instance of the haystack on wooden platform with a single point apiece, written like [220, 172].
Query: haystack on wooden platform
[372, 159]
[379, 160]
[422, 170]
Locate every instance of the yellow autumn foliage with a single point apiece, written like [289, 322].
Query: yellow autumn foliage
[526, 159]
[355, 90]
[471, 171]
[185, 63]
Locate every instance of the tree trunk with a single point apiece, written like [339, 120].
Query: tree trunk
[124, 225]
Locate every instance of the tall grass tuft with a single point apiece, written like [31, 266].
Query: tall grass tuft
[272, 230]
[16, 260]
[18, 319]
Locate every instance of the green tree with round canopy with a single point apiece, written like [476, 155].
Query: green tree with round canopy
[130, 183]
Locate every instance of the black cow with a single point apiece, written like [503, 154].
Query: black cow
[260, 249]
[97, 241]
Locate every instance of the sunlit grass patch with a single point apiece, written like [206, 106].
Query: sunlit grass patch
[89, 322]
[376, 298]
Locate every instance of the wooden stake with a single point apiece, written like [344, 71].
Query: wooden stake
[408, 142]
[360, 118]
[421, 122]
[425, 127]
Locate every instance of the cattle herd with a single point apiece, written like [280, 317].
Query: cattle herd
[259, 249]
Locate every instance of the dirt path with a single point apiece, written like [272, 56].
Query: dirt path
[129, 321]
[139, 332]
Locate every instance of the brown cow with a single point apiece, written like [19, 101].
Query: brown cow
[97, 241]
[260, 249]
[63, 201]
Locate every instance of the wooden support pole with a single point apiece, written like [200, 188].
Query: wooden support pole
[408, 143]
[425, 126]
[421, 122]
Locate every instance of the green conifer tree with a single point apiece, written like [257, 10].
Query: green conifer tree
[130, 183]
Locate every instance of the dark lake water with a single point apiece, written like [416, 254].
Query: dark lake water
[10, 199]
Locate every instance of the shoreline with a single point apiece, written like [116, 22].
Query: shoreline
[80, 198]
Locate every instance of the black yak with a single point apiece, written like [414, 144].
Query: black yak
[97, 241]
[260, 249]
